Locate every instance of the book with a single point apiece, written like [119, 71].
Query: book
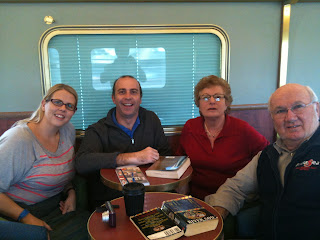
[169, 167]
[155, 224]
[189, 215]
[127, 174]
[177, 217]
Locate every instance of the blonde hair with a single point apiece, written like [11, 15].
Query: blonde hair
[37, 115]
[213, 80]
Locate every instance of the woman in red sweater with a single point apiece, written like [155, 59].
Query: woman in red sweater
[218, 145]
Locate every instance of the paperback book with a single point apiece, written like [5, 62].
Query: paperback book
[177, 217]
[127, 174]
[155, 224]
[169, 167]
[189, 215]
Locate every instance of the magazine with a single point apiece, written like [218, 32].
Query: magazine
[127, 174]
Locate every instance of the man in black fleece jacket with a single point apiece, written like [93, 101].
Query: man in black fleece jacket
[129, 134]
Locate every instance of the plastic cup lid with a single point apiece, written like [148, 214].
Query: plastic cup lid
[133, 188]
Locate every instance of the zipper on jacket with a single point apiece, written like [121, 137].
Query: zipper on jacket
[281, 189]
[132, 141]
[275, 213]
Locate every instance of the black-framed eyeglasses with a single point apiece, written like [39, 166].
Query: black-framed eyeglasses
[296, 109]
[60, 103]
[217, 97]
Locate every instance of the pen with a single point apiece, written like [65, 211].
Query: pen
[133, 180]
[124, 176]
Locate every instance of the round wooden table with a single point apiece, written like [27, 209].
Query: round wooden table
[125, 228]
[110, 179]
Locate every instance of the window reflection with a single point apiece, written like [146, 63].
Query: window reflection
[148, 65]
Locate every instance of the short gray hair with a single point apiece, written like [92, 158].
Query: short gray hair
[312, 94]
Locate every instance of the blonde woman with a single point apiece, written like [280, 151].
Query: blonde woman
[37, 165]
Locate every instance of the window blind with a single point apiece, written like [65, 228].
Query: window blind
[167, 65]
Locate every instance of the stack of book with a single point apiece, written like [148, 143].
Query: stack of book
[175, 218]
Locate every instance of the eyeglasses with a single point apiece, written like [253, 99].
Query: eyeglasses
[59, 103]
[296, 109]
[216, 97]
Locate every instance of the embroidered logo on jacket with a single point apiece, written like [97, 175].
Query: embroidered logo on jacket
[307, 165]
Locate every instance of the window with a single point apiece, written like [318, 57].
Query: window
[168, 61]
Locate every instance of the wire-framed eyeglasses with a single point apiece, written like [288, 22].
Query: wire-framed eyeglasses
[217, 97]
[296, 109]
[60, 103]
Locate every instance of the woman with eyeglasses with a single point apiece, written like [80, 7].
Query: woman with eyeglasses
[37, 166]
[217, 144]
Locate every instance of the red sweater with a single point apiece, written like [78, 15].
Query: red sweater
[234, 147]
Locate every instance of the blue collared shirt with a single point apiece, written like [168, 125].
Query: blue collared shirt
[123, 128]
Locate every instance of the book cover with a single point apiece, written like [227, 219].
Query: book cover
[155, 224]
[127, 174]
[190, 215]
[169, 167]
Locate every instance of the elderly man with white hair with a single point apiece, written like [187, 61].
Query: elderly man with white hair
[286, 174]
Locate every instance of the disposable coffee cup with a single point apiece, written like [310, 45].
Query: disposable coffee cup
[133, 198]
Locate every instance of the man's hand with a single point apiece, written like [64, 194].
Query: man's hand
[32, 220]
[222, 211]
[147, 155]
[69, 204]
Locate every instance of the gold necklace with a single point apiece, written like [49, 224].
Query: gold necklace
[207, 131]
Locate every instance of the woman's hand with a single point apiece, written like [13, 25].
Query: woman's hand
[69, 204]
[32, 220]
[9, 208]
